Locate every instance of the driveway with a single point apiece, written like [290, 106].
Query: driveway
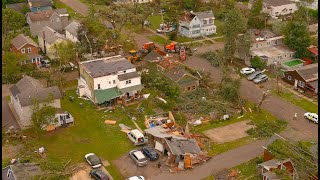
[84, 174]
[8, 119]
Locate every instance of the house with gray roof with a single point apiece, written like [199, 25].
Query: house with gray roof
[25, 92]
[47, 38]
[108, 79]
[304, 78]
[197, 24]
[20, 171]
[56, 19]
[276, 8]
[72, 31]
[24, 45]
[40, 5]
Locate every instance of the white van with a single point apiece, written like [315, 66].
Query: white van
[137, 137]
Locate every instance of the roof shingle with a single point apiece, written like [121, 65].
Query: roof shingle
[21, 40]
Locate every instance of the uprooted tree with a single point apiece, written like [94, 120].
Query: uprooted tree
[42, 114]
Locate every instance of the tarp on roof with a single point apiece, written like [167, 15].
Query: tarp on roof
[131, 88]
[106, 95]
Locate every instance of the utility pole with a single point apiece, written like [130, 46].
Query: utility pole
[89, 43]
[264, 96]
[276, 63]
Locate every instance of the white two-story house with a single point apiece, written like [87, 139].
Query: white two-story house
[196, 24]
[276, 8]
[268, 46]
[107, 79]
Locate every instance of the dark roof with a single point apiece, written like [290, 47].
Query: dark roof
[309, 72]
[177, 73]
[21, 40]
[50, 35]
[21, 171]
[271, 175]
[72, 28]
[107, 66]
[314, 84]
[17, 6]
[40, 3]
[204, 14]
[29, 88]
[45, 15]
[152, 56]
[181, 146]
[126, 76]
[277, 2]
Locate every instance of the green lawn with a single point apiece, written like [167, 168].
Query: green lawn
[216, 149]
[182, 39]
[8, 99]
[157, 39]
[155, 21]
[249, 169]
[293, 62]
[72, 13]
[301, 102]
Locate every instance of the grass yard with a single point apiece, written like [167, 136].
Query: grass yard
[293, 62]
[182, 39]
[155, 21]
[298, 101]
[158, 39]
[72, 13]
[249, 169]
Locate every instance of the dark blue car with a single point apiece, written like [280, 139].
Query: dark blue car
[150, 153]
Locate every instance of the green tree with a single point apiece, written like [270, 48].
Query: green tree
[42, 114]
[256, 18]
[297, 37]
[142, 12]
[244, 43]
[11, 21]
[258, 63]
[278, 27]
[234, 24]
[66, 52]
[11, 66]
[229, 89]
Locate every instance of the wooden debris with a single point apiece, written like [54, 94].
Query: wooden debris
[110, 122]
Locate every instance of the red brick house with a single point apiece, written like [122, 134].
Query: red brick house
[25, 45]
[304, 78]
[314, 53]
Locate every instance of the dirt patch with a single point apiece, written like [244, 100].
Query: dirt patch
[84, 173]
[229, 133]
[128, 168]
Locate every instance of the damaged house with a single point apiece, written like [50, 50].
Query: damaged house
[164, 120]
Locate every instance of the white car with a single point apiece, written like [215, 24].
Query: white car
[136, 178]
[247, 71]
[93, 160]
[311, 117]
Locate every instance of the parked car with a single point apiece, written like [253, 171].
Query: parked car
[45, 63]
[138, 157]
[247, 70]
[98, 174]
[254, 75]
[93, 160]
[311, 117]
[137, 137]
[150, 153]
[136, 178]
[261, 78]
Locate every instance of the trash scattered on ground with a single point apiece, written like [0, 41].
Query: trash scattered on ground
[240, 117]
[110, 122]
[145, 96]
[41, 150]
[197, 122]
[124, 128]
[225, 117]
[162, 100]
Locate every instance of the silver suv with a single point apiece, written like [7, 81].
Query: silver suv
[138, 157]
[254, 75]
[261, 78]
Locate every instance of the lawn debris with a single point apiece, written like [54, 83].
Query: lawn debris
[162, 100]
[145, 96]
[110, 122]
[124, 128]
[165, 119]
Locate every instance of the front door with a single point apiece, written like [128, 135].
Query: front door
[295, 83]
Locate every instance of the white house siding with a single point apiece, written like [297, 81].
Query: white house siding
[194, 28]
[275, 11]
[85, 90]
[71, 37]
[25, 113]
[208, 30]
[106, 82]
[134, 82]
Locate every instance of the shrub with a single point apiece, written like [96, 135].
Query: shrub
[258, 63]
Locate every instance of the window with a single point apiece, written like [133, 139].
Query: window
[114, 81]
[23, 50]
[52, 20]
[128, 82]
[289, 78]
[58, 20]
[33, 60]
[29, 49]
[124, 71]
[99, 86]
[301, 83]
[109, 82]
